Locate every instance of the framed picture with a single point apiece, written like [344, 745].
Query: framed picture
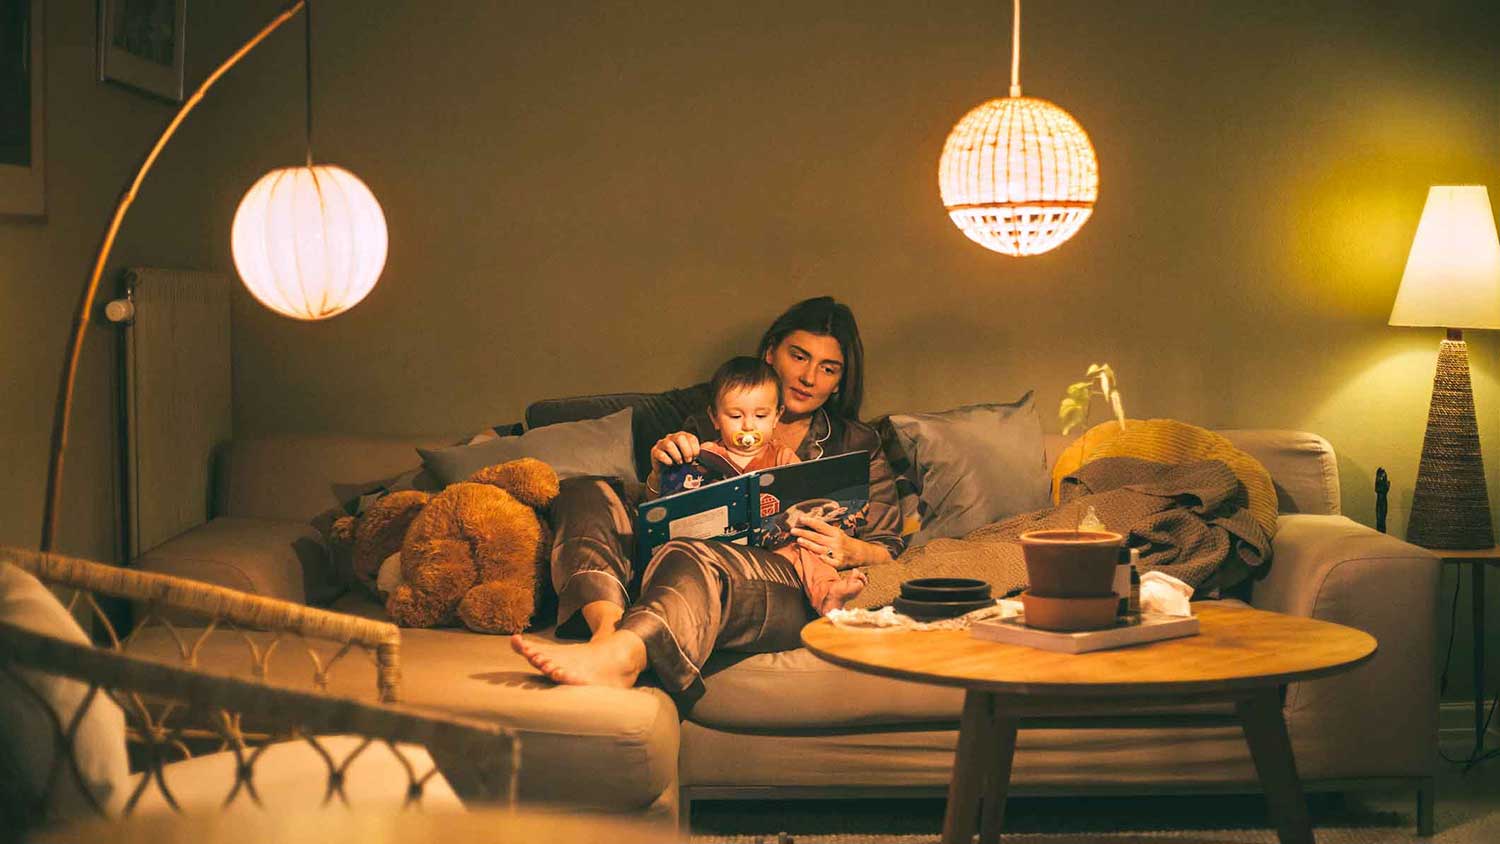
[22, 141]
[141, 45]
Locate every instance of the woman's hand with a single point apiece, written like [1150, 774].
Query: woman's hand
[675, 448]
[822, 539]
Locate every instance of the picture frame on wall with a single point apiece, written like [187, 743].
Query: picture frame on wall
[22, 127]
[142, 44]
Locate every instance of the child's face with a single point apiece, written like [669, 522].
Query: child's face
[745, 418]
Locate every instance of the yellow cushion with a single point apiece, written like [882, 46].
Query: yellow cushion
[1170, 441]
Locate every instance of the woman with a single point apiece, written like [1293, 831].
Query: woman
[697, 596]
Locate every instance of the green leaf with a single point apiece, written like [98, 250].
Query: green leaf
[1071, 414]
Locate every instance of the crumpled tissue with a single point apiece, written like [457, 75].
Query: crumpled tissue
[1164, 594]
[887, 618]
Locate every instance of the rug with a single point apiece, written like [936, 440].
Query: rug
[1458, 822]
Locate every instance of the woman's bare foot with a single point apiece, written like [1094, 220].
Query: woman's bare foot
[843, 591]
[614, 660]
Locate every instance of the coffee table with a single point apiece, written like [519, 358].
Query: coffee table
[1241, 656]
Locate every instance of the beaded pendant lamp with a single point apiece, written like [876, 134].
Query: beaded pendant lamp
[1452, 281]
[1018, 175]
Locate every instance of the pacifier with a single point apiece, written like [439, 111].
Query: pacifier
[749, 439]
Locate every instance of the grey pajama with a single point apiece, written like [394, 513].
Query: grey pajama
[694, 597]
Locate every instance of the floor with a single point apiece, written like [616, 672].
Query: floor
[1461, 794]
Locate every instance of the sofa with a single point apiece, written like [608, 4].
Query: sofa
[788, 725]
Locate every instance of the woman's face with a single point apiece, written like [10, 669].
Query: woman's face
[811, 366]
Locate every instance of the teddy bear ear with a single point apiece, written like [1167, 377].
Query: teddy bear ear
[530, 481]
[342, 529]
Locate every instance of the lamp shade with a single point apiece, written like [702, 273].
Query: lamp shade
[309, 242]
[1018, 175]
[1452, 277]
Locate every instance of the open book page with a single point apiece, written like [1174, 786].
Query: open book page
[759, 507]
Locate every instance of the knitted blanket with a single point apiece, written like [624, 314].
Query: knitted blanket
[1189, 520]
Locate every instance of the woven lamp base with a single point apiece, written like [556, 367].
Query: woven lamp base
[1450, 506]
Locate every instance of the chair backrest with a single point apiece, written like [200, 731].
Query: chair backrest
[67, 709]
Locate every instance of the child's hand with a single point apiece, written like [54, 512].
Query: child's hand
[675, 448]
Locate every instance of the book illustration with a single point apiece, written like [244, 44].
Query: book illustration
[704, 469]
[759, 507]
[776, 527]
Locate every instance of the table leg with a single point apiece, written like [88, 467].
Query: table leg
[971, 767]
[1002, 747]
[1477, 619]
[1271, 749]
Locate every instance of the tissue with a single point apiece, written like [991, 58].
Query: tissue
[1164, 594]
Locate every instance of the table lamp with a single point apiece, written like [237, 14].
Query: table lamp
[1452, 281]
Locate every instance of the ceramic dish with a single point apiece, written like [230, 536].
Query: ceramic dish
[945, 589]
[930, 610]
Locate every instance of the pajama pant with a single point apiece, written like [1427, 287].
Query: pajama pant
[695, 596]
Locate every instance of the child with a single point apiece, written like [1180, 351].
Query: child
[746, 405]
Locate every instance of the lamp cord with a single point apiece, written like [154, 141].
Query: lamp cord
[1015, 52]
[307, 21]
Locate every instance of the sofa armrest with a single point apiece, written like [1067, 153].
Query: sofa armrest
[1383, 715]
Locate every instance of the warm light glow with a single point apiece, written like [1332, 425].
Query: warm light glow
[1452, 277]
[309, 242]
[1018, 175]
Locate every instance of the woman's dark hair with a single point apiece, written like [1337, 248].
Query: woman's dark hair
[743, 373]
[824, 315]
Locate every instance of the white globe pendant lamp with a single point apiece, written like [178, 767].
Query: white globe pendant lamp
[309, 242]
[1018, 175]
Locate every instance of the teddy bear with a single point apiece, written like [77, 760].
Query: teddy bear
[470, 553]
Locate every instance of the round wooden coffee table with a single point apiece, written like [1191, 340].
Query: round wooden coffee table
[1240, 655]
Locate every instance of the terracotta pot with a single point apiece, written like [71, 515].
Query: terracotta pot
[1069, 614]
[1070, 563]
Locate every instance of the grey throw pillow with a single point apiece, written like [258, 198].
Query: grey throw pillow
[572, 449]
[26, 730]
[974, 465]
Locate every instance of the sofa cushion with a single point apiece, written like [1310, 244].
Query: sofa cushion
[974, 465]
[655, 415]
[291, 777]
[265, 557]
[797, 690]
[292, 478]
[574, 449]
[575, 741]
[27, 749]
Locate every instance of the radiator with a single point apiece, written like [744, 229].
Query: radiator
[177, 401]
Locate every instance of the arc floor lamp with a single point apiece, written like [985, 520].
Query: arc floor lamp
[309, 242]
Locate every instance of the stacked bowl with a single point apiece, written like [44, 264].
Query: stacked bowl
[1071, 574]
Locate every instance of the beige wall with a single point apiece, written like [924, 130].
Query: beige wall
[588, 199]
[96, 135]
[595, 197]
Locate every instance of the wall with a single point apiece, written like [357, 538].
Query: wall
[96, 134]
[591, 197]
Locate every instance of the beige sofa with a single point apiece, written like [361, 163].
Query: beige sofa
[789, 725]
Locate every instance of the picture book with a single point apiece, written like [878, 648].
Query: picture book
[759, 507]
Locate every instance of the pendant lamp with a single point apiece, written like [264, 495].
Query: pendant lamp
[1018, 175]
[309, 242]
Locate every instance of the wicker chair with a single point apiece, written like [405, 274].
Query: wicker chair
[172, 711]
